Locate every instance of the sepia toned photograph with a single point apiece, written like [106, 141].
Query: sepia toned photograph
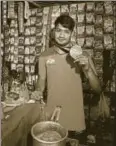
[58, 73]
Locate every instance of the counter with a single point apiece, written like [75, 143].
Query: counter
[15, 131]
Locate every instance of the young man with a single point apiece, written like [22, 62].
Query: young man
[62, 76]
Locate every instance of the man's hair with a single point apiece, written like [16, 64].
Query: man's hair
[66, 21]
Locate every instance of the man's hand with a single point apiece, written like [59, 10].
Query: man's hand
[37, 95]
[80, 56]
[83, 61]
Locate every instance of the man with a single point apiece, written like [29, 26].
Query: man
[62, 75]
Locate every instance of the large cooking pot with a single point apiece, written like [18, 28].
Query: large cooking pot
[52, 125]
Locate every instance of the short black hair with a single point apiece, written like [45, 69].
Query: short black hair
[66, 21]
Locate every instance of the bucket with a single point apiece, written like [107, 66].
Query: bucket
[56, 133]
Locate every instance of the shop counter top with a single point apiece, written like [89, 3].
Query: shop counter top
[15, 131]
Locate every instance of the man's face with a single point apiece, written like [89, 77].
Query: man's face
[62, 35]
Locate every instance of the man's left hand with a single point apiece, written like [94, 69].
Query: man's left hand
[83, 61]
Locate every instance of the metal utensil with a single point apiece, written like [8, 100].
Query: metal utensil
[51, 125]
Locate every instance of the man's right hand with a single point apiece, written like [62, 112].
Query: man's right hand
[37, 95]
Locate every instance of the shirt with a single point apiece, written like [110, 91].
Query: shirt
[64, 87]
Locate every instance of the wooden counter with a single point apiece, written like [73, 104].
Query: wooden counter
[15, 129]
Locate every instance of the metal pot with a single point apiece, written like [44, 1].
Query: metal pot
[44, 126]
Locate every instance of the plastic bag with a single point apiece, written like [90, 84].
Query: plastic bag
[104, 110]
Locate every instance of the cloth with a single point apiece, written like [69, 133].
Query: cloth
[15, 130]
[64, 88]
